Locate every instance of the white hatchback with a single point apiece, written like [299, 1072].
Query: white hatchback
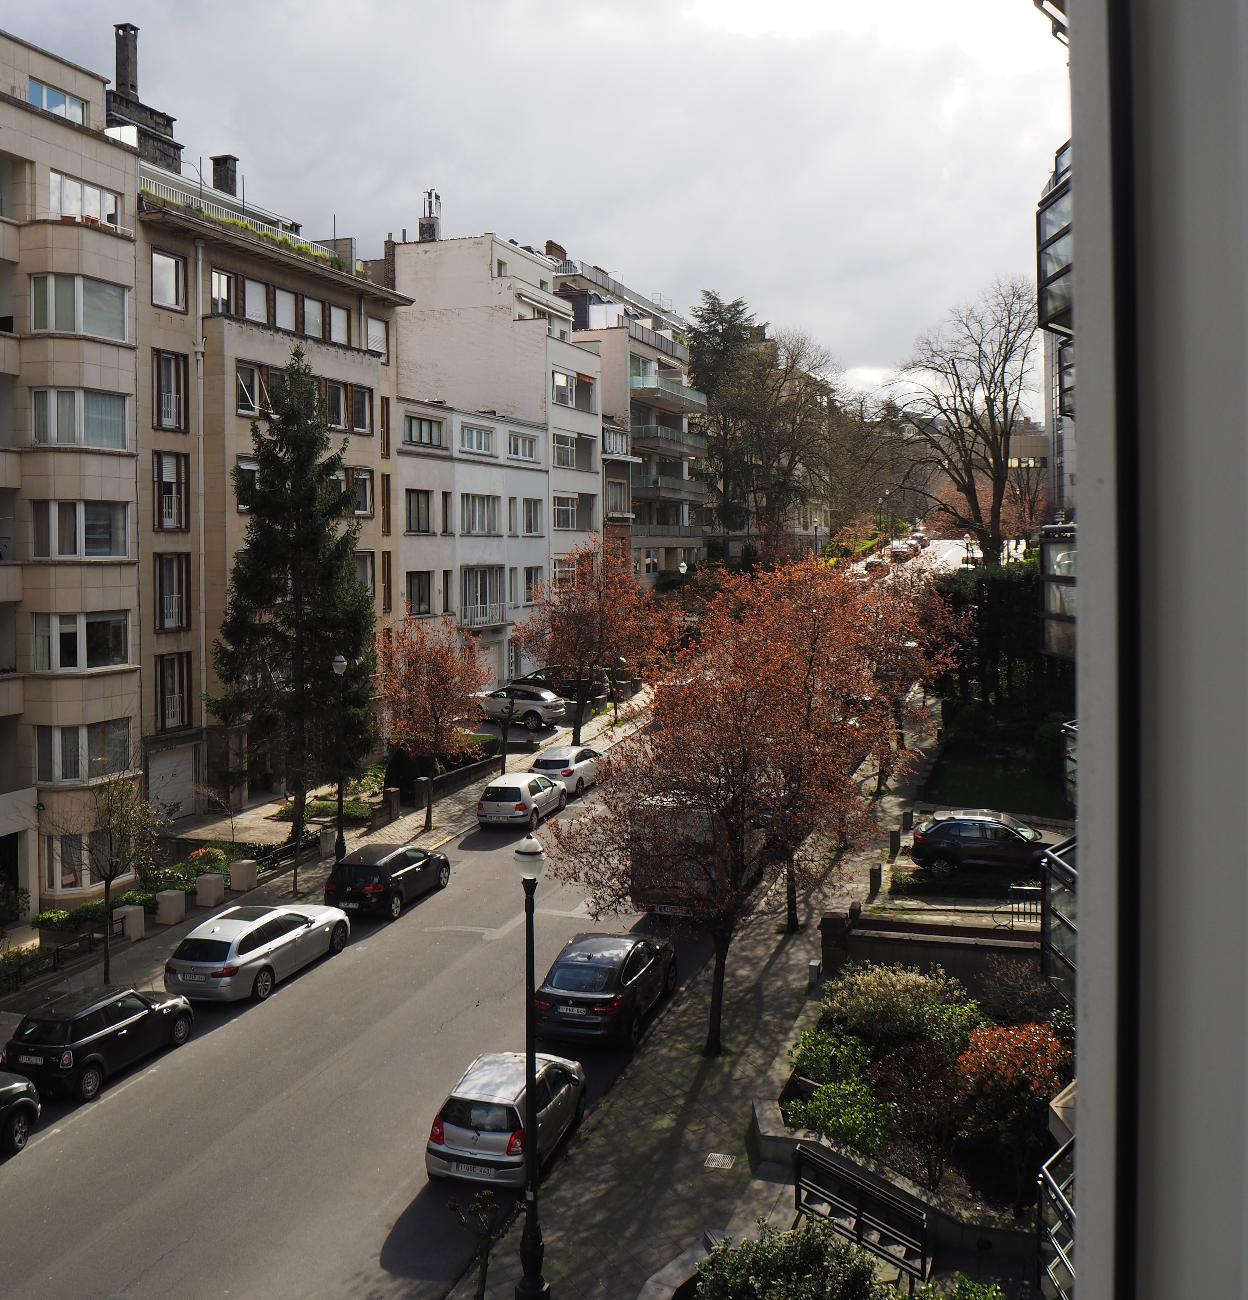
[519, 799]
[573, 765]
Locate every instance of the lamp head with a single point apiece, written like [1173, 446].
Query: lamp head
[340, 665]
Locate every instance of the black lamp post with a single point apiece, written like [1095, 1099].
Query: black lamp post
[340, 844]
[532, 1286]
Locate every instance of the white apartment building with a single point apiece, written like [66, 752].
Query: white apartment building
[472, 529]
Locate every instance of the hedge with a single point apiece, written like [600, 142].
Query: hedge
[353, 810]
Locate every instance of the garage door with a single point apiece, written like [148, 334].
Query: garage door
[171, 780]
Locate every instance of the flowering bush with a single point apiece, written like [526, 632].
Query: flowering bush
[889, 1005]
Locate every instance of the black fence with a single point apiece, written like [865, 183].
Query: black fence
[16, 974]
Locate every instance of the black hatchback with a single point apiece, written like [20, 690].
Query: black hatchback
[382, 877]
[19, 1111]
[601, 986]
[74, 1041]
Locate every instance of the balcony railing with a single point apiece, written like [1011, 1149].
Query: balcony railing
[171, 512]
[175, 710]
[1059, 917]
[691, 487]
[666, 530]
[1057, 1225]
[693, 444]
[170, 410]
[661, 388]
[171, 610]
[483, 615]
[615, 442]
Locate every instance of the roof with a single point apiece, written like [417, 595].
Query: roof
[228, 925]
[499, 1076]
[561, 751]
[587, 946]
[372, 855]
[64, 1006]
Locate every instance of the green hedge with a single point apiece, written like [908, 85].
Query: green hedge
[354, 811]
[30, 961]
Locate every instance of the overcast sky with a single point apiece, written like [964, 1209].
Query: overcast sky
[851, 169]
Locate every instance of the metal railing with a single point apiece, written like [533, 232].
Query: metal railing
[175, 710]
[666, 530]
[693, 443]
[615, 442]
[614, 287]
[483, 615]
[170, 410]
[658, 383]
[660, 342]
[668, 483]
[171, 610]
[1056, 1224]
[24, 969]
[171, 512]
[1024, 905]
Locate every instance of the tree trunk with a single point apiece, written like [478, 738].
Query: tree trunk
[506, 721]
[791, 921]
[301, 800]
[582, 691]
[108, 927]
[483, 1267]
[723, 938]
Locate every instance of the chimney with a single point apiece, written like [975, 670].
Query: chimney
[225, 173]
[430, 225]
[556, 251]
[127, 60]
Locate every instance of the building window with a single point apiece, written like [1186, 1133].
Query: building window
[244, 481]
[68, 861]
[60, 751]
[366, 571]
[67, 416]
[335, 405]
[562, 388]
[222, 299]
[339, 326]
[651, 560]
[513, 576]
[565, 512]
[173, 691]
[564, 573]
[284, 309]
[173, 592]
[447, 604]
[171, 472]
[76, 304]
[533, 513]
[314, 318]
[448, 520]
[378, 337]
[473, 437]
[361, 484]
[68, 197]
[565, 450]
[1028, 462]
[617, 497]
[169, 390]
[385, 505]
[500, 267]
[421, 432]
[361, 410]
[52, 100]
[532, 581]
[478, 514]
[523, 446]
[252, 397]
[419, 591]
[419, 511]
[256, 300]
[511, 516]
[68, 642]
[482, 595]
[80, 529]
[168, 280]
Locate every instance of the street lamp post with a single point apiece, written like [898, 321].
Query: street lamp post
[340, 844]
[966, 544]
[532, 1285]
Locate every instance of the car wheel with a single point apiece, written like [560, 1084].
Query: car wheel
[396, 906]
[670, 979]
[533, 820]
[263, 986]
[338, 939]
[90, 1081]
[444, 875]
[563, 800]
[580, 787]
[941, 866]
[632, 1035]
[16, 1131]
[181, 1030]
[532, 720]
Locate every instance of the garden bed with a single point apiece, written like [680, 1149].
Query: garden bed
[910, 881]
[1003, 780]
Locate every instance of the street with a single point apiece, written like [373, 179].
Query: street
[281, 1152]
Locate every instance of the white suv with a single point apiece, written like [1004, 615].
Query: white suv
[534, 706]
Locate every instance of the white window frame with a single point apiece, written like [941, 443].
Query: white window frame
[339, 316]
[377, 336]
[565, 451]
[59, 187]
[560, 505]
[362, 476]
[563, 572]
[422, 424]
[568, 387]
[522, 446]
[291, 300]
[478, 514]
[179, 280]
[44, 285]
[169, 415]
[51, 511]
[258, 394]
[54, 436]
[370, 570]
[367, 426]
[42, 624]
[341, 422]
[258, 313]
[618, 488]
[533, 514]
[66, 110]
[83, 775]
[319, 332]
[231, 294]
[245, 463]
[476, 438]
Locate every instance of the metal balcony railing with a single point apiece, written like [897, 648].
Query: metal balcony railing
[1057, 1225]
[669, 388]
[171, 610]
[483, 615]
[1059, 918]
[171, 512]
[616, 443]
[170, 410]
[693, 444]
[175, 710]
[692, 487]
[666, 530]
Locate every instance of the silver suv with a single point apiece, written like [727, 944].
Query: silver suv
[478, 1135]
[534, 706]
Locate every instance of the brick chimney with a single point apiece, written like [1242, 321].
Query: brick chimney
[225, 173]
[127, 60]
[556, 251]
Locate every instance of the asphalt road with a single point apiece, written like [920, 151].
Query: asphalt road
[281, 1151]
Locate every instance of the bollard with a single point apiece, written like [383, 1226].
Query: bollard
[907, 820]
[877, 875]
[243, 873]
[894, 843]
[812, 975]
[424, 798]
[325, 849]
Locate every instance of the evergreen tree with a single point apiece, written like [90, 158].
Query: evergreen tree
[295, 601]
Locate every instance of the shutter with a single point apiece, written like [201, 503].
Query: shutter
[385, 582]
[385, 505]
[160, 593]
[385, 428]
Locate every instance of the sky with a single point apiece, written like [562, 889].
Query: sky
[852, 170]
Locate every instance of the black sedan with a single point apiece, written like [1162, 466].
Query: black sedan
[382, 877]
[602, 985]
[74, 1041]
[19, 1111]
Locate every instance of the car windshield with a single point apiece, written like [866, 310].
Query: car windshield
[202, 950]
[925, 826]
[579, 977]
[501, 794]
[1025, 831]
[51, 1032]
[484, 1116]
[550, 764]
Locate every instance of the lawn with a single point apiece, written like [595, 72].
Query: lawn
[1006, 784]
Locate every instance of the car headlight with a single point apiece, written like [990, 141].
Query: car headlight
[67, 1061]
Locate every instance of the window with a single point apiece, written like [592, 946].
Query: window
[361, 410]
[448, 525]
[532, 581]
[511, 516]
[563, 388]
[74, 198]
[75, 304]
[565, 450]
[387, 602]
[283, 309]
[68, 862]
[222, 298]
[483, 595]
[564, 573]
[171, 473]
[446, 591]
[419, 593]
[60, 751]
[107, 639]
[523, 446]
[385, 505]
[95, 529]
[335, 405]
[512, 584]
[339, 325]
[366, 571]
[169, 389]
[421, 432]
[533, 513]
[651, 560]
[478, 514]
[65, 416]
[173, 592]
[251, 400]
[314, 318]
[361, 481]
[419, 511]
[173, 691]
[256, 300]
[378, 337]
[244, 481]
[473, 437]
[565, 511]
[385, 428]
[52, 100]
[617, 497]
[500, 267]
[168, 280]
[66, 642]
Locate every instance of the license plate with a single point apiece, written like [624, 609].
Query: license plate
[351, 907]
[194, 979]
[30, 1060]
[575, 1011]
[670, 909]
[482, 1171]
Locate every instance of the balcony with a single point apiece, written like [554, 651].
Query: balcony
[491, 615]
[1059, 918]
[10, 469]
[176, 713]
[667, 530]
[667, 394]
[668, 485]
[617, 444]
[172, 512]
[1057, 1225]
[680, 441]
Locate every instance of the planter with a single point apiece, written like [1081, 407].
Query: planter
[73, 221]
[90, 221]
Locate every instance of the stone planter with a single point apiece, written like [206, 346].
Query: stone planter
[133, 920]
[209, 890]
[170, 907]
[243, 873]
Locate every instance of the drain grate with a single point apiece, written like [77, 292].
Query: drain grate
[717, 1160]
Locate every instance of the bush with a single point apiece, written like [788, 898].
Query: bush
[963, 1289]
[55, 918]
[813, 1264]
[371, 782]
[14, 904]
[889, 1005]
[353, 810]
[144, 898]
[846, 1112]
[826, 1057]
[207, 859]
[179, 876]
[29, 961]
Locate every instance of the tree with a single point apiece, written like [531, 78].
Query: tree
[295, 602]
[962, 395]
[488, 1222]
[592, 617]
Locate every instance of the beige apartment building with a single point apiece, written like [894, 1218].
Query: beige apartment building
[69, 588]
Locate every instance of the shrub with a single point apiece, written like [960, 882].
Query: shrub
[889, 1005]
[55, 918]
[144, 898]
[353, 810]
[847, 1112]
[827, 1057]
[206, 859]
[814, 1264]
[14, 904]
[27, 961]
[963, 1289]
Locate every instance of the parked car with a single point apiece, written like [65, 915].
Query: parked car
[74, 1041]
[532, 706]
[602, 985]
[899, 552]
[975, 838]
[19, 1111]
[915, 545]
[519, 799]
[575, 766]
[562, 682]
[380, 878]
[922, 538]
[244, 951]
[478, 1134]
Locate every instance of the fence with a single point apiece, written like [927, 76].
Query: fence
[16, 974]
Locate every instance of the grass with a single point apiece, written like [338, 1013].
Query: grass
[966, 883]
[965, 780]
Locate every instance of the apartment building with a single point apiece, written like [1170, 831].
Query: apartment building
[653, 493]
[1055, 303]
[69, 588]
